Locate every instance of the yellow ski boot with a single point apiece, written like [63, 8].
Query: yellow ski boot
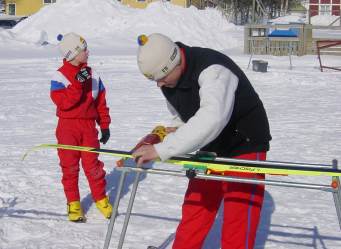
[75, 212]
[104, 207]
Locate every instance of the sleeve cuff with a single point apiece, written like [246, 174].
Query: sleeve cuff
[162, 152]
[104, 126]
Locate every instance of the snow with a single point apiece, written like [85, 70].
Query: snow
[303, 106]
[9, 17]
[318, 20]
[293, 18]
[109, 22]
[325, 20]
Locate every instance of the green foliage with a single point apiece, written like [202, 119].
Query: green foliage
[296, 5]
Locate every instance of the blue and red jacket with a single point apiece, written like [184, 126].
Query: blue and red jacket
[75, 100]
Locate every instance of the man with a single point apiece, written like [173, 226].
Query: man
[217, 110]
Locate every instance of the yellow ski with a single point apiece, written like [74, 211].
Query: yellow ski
[218, 164]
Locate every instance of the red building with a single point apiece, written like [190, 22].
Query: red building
[324, 7]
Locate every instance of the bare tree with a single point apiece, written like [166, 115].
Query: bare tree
[284, 7]
[2, 5]
[242, 9]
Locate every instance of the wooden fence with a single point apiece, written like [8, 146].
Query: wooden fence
[258, 41]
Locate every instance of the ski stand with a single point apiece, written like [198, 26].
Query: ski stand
[115, 209]
[337, 192]
[129, 209]
[333, 188]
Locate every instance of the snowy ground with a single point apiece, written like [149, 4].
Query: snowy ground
[303, 106]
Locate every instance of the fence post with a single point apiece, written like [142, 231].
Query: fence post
[247, 35]
[308, 39]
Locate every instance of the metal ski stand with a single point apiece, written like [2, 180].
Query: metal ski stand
[115, 210]
[129, 209]
[337, 192]
[334, 188]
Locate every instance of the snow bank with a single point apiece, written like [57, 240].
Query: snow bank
[100, 20]
[302, 18]
[293, 18]
[324, 20]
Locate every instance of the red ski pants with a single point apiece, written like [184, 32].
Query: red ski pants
[242, 207]
[81, 132]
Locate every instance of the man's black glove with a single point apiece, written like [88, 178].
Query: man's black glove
[105, 136]
[83, 74]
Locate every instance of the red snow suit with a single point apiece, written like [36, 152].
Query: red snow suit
[242, 207]
[79, 107]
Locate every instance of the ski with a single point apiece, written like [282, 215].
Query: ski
[207, 165]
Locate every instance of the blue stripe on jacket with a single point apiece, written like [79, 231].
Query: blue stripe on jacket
[100, 85]
[56, 85]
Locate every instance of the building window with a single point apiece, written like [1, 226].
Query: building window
[325, 10]
[49, 1]
[11, 9]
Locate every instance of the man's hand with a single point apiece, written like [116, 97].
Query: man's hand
[171, 129]
[83, 74]
[145, 154]
[105, 136]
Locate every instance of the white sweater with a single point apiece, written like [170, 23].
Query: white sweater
[217, 93]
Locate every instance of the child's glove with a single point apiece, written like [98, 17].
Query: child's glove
[105, 136]
[83, 74]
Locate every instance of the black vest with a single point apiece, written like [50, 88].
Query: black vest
[248, 128]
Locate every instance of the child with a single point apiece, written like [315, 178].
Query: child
[79, 95]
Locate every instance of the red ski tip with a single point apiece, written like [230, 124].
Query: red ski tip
[120, 163]
[335, 184]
